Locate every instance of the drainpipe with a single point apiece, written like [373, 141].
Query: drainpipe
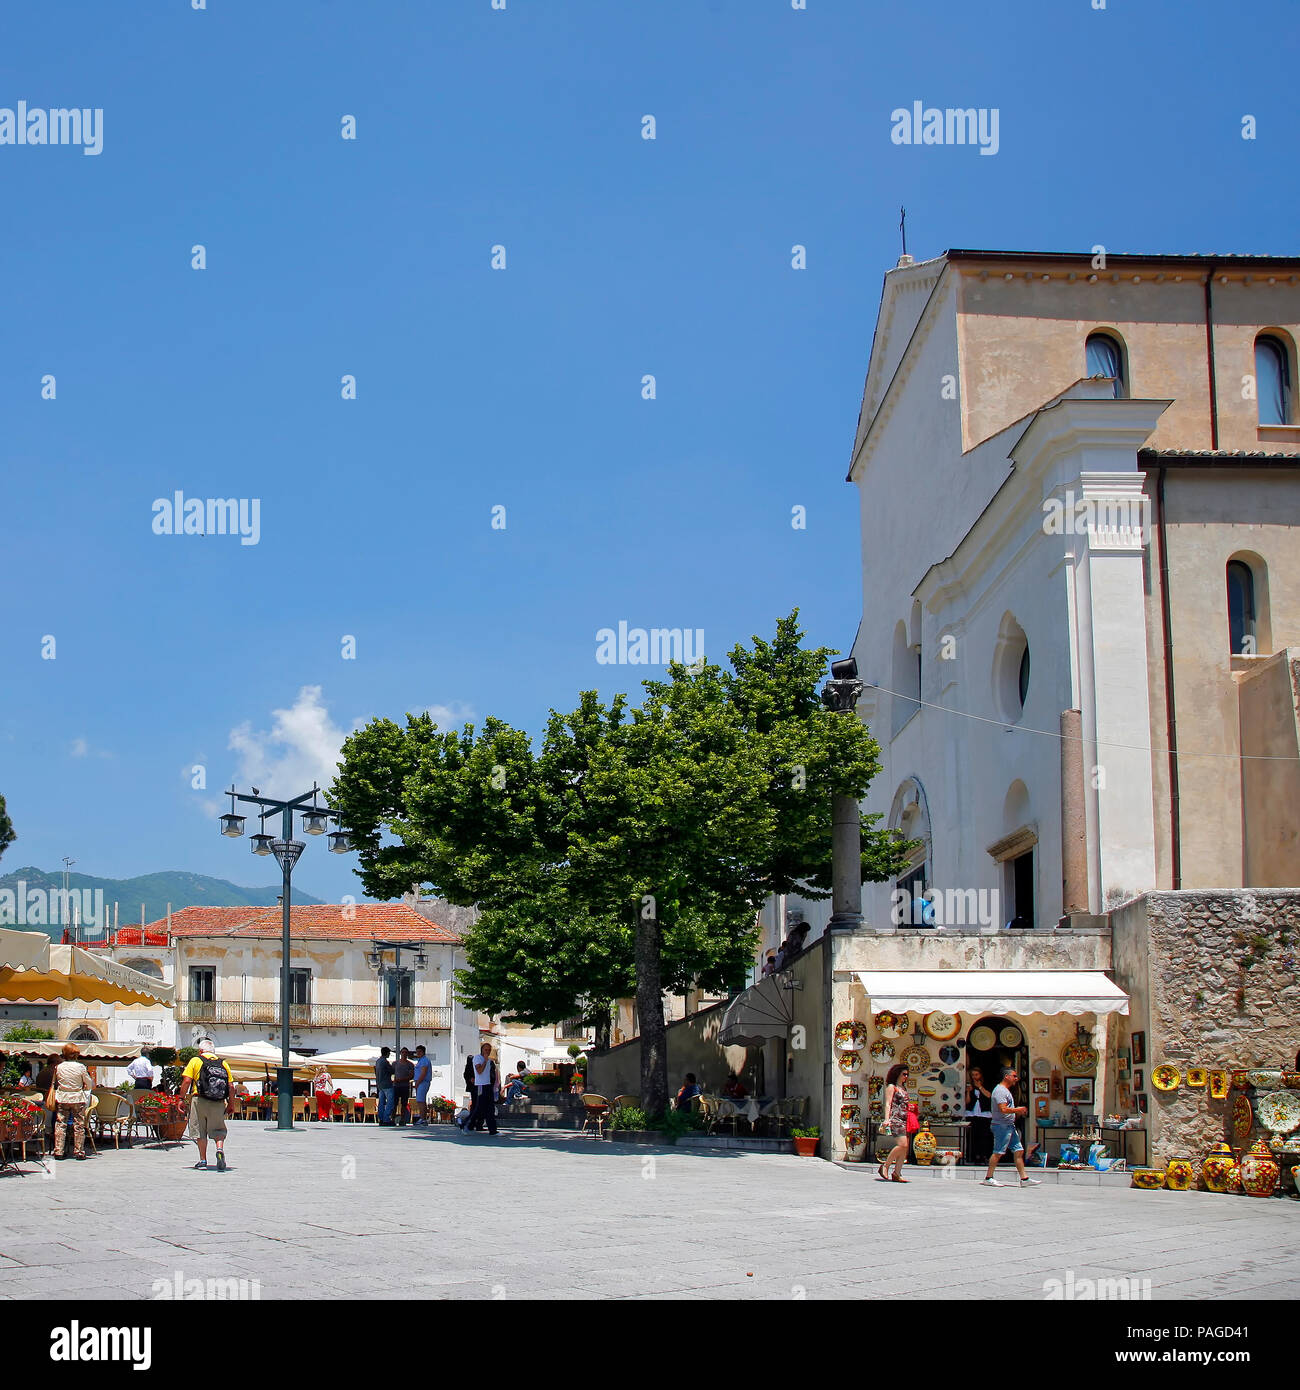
[1171, 718]
[1209, 350]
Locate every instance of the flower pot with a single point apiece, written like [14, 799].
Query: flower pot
[1259, 1171]
[807, 1147]
[1217, 1169]
[924, 1145]
[1179, 1174]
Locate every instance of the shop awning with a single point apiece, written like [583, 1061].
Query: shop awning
[93, 1053]
[24, 950]
[74, 973]
[762, 1011]
[995, 991]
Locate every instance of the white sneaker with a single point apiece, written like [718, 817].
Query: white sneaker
[992, 1182]
[1030, 1182]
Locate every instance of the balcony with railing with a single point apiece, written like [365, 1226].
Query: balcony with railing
[263, 1013]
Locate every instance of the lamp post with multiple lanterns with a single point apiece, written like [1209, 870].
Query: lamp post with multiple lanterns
[375, 960]
[315, 819]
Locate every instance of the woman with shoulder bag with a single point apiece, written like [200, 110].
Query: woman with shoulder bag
[71, 1094]
[896, 1113]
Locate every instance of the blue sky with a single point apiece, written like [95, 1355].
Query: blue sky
[519, 388]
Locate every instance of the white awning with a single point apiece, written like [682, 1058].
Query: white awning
[756, 1014]
[995, 991]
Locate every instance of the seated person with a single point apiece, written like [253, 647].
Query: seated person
[734, 1089]
[514, 1089]
[241, 1090]
[688, 1092]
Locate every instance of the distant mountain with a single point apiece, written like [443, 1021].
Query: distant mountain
[155, 891]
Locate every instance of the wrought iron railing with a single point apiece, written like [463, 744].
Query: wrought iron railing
[264, 1013]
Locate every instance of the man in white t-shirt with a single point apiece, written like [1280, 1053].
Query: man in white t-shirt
[484, 1071]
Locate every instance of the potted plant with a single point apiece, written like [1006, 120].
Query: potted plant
[166, 1115]
[806, 1141]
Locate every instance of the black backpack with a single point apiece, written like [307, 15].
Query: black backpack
[213, 1083]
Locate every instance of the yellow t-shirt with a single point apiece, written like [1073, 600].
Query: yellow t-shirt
[195, 1065]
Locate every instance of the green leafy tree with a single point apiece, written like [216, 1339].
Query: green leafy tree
[634, 848]
[7, 832]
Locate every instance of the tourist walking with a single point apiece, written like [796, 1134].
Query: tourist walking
[895, 1109]
[484, 1110]
[1006, 1137]
[423, 1079]
[403, 1075]
[324, 1088]
[384, 1085]
[69, 1095]
[213, 1086]
[141, 1073]
[979, 1110]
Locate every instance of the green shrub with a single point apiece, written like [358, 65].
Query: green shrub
[161, 1056]
[628, 1117]
[185, 1056]
[27, 1032]
[675, 1123]
[811, 1132]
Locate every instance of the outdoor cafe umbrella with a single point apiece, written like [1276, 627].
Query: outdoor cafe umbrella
[74, 973]
[351, 1064]
[24, 950]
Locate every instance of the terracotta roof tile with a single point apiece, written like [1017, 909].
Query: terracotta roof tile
[320, 922]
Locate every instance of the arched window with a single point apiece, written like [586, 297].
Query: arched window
[1024, 677]
[1106, 358]
[905, 680]
[1273, 380]
[1242, 638]
[1010, 670]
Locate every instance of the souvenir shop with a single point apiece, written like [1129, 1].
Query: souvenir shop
[957, 1032]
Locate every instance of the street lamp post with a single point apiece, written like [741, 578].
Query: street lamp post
[287, 851]
[399, 972]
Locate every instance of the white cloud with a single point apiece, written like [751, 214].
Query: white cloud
[301, 747]
[79, 748]
[450, 716]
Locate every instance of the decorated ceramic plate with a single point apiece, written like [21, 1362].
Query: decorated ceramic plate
[1197, 1076]
[849, 1092]
[1278, 1111]
[1011, 1037]
[850, 1036]
[875, 1084]
[1041, 1067]
[892, 1025]
[949, 1054]
[1078, 1058]
[853, 1138]
[915, 1058]
[850, 1115]
[1265, 1080]
[942, 1027]
[1218, 1084]
[880, 1050]
[1166, 1078]
[983, 1038]
[1242, 1117]
[850, 1062]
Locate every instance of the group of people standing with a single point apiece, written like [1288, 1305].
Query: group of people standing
[394, 1082]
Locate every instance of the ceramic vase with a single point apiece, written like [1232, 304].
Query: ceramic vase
[1179, 1174]
[1218, 1168]
[924, 1145]
[1259, 1171]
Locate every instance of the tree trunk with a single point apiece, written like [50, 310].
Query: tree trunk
[650, 1011]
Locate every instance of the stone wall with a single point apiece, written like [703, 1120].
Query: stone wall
[1211, 978]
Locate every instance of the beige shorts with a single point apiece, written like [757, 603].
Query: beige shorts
[207, 1118]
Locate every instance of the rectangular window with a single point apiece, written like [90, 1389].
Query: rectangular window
[299, 986]
[203, 984]
[1022, 890]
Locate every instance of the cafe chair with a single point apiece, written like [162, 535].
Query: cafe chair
[595, 1109]
[627, 1102]
[370, 1110]
[115, 1113]
[299, 1108]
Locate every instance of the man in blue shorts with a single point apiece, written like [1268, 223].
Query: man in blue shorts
[1006, 1137]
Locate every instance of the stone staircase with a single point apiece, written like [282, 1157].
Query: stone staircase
[545, 1110]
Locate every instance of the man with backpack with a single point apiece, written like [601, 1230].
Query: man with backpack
[213, 1085]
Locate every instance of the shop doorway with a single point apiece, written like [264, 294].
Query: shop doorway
[993, 1044]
